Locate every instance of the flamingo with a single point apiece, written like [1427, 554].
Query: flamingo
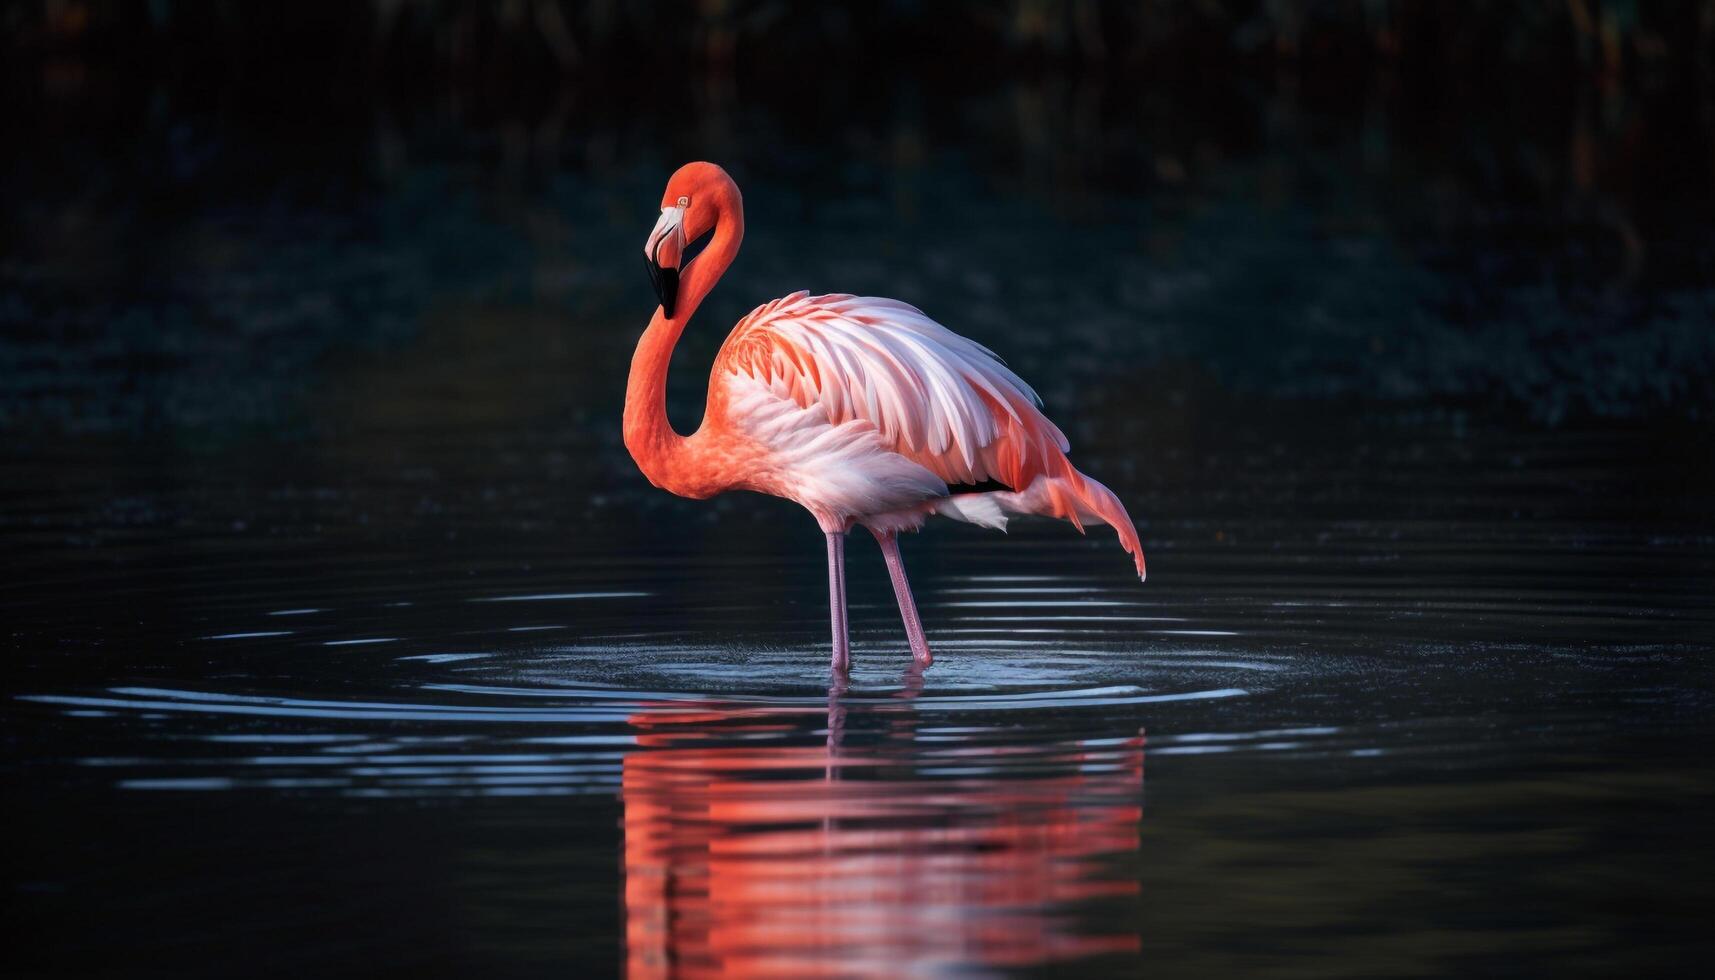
[862, 410]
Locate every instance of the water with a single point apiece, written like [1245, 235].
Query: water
[342, 635]
[459, 740]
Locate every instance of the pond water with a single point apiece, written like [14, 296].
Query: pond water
[342, 634]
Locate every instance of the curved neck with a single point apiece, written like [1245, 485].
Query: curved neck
[649, 436]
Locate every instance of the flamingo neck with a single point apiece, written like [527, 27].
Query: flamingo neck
[661, 453]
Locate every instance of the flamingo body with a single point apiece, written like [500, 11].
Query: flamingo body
[867, 411]
[862, 410]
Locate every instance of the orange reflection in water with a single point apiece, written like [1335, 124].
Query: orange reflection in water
[908, 857]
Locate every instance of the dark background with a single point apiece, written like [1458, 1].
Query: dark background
[1389, 321]
[1444, 203]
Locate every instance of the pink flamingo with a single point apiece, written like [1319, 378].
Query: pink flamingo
[863, 410]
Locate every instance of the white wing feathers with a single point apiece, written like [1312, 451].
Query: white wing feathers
[928, 391]
[871, 412]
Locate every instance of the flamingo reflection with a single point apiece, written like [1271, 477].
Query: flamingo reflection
[879, 852]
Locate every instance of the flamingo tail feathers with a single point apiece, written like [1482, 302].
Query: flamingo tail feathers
[1094, 498]
[1070, 496]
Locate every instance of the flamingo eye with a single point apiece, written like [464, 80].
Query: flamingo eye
[684, 202]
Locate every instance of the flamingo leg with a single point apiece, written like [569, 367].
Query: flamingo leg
[837, 601]
[907, 605]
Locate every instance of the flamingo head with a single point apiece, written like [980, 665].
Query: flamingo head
[697, 196]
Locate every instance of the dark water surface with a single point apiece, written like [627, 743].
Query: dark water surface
[342, 635]
[384, 718]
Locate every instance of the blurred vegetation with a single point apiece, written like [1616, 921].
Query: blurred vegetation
[1611, 39]
[1455, 201]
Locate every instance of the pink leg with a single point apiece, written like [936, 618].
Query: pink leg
[837, 601]
[907, 605]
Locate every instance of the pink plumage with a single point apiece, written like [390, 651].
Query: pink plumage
[873, 409]
[863, 410]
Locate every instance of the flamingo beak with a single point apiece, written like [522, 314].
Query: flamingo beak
[663, 253]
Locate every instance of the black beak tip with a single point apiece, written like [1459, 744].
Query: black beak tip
[666, 283]
[669, 290]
